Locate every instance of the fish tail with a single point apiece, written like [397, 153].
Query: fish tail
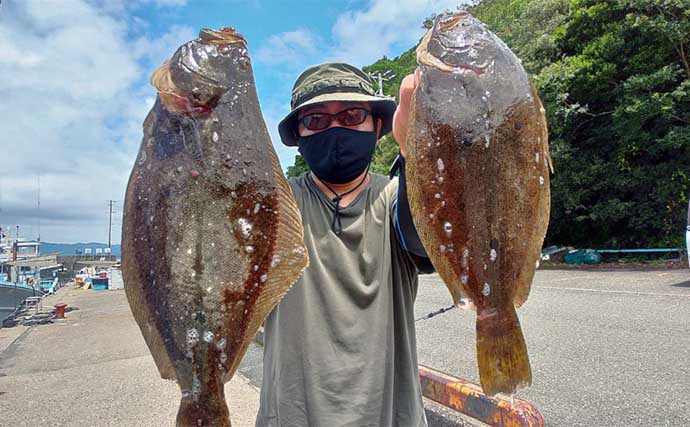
[212, 413]
[501, 352]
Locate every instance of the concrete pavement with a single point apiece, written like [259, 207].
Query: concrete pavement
[94, 369]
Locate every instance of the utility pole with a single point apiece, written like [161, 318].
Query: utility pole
[110, 224]
[380, 78]
[39, 207]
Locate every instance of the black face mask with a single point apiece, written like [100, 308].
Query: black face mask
[338, 155]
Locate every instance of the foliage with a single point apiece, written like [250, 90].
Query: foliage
[384, 155]
[387, 148]
[618, 101]
[299, 168]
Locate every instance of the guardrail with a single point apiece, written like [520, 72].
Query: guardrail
[469, 399]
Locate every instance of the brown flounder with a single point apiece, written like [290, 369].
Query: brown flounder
[478, 172]
[212, 237]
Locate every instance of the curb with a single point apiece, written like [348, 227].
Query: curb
[438, 415]
[14, 337]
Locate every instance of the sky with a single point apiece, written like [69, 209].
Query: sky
[74, 87]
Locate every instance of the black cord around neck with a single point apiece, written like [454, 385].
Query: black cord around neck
[338, 197]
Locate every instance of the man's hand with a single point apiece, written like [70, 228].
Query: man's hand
[402, 113]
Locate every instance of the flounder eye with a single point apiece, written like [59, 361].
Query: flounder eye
[224, 50]
[243, 63]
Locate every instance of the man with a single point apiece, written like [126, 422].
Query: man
[340, 348]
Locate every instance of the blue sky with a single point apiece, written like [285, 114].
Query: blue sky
[75, 86]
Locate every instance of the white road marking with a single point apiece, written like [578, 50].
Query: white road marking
[603, 291]
[569, 278]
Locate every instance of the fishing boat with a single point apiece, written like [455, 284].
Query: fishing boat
[13, 294]
[24, 273]
[18, 249]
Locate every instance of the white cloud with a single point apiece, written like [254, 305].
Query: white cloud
[120, 6]
[75, 96]
[165, 3]
[291, 48]
[155, 51]
[287, 54]
[273, 114]
[362, 37]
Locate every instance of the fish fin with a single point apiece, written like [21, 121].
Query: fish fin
[458, 293]
[292, 258]
[544, 127]
[548, 157]
[144, 317]
[212, 412]
[134, 287]
[501, 352]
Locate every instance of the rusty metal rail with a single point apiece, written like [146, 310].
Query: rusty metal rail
[468, 398]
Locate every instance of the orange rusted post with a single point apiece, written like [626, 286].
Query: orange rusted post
[469, 399]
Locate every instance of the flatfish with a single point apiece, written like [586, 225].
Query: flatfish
[478, 171]
[212, 237]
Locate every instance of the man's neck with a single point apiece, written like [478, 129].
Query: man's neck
[343, 188]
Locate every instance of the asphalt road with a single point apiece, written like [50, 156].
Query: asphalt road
[607, 348]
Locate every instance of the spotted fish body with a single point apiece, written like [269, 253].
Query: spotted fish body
[212, 238]
[478, 172]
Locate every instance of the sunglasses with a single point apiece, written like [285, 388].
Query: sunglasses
[349, 117]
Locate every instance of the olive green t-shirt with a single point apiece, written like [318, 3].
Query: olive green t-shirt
[339, 349]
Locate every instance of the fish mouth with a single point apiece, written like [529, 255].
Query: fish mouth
[173, 98]
[225, 36]
[197, 74]
[449, 22]
[223, 39]
[182, 100]
[453, 59]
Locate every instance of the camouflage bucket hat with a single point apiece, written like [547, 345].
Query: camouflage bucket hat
[334, 82]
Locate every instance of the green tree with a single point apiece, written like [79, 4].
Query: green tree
[618, 100]
[299, 168]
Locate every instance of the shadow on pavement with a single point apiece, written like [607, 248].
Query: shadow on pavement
[685, 284]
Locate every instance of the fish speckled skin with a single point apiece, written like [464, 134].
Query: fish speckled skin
[212, 238]
[478, 183]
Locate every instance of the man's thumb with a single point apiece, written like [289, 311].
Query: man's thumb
[406, 88]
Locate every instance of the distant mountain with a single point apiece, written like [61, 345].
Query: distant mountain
[75, 248]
